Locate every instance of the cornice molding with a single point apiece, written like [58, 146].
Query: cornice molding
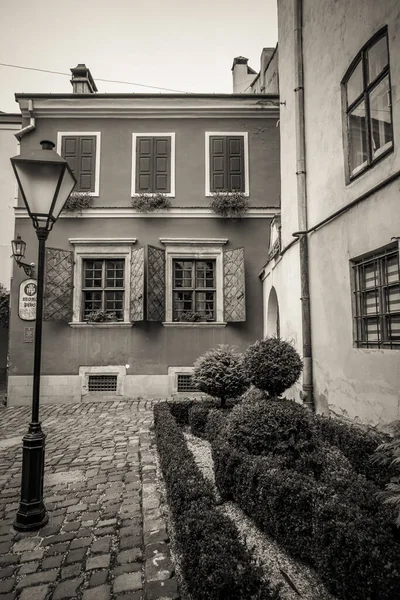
[102, 241]
[151, 108]
[194, 241]
[171, 213]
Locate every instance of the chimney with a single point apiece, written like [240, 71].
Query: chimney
[243, 75]
[82, 80]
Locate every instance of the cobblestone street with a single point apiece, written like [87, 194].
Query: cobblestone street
[106, 538]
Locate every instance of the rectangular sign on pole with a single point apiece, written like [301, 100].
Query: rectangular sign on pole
[27, 300]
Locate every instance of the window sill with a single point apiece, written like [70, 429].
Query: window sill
[117, 325]
[181, 324]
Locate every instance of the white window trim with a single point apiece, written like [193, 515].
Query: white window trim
[119, 371]
[171, 193]
[89, 248]
[245, 136]
[97, 134]
[200, 249]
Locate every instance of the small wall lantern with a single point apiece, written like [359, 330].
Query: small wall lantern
[18, 251]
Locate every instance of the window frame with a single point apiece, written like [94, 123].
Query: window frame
[364, 97]
[103, 289]
[245, 136]
[101, 249]
[200, 249]
[193, 289]
[135, 136]
[97, 135]
[360, 315]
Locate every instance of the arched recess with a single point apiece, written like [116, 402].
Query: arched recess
[273, 314]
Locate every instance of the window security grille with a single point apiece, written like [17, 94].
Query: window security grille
[185, 383]
[102, 383]
[377, 300]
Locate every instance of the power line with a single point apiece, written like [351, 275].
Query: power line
[96, 78]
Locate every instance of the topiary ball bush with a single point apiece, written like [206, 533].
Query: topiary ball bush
[277, 426]
[220, 373]
[272, 365]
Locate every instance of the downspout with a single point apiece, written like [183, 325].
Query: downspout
[307, 391]
[32, 123]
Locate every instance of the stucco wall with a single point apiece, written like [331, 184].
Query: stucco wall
[116, 154]
[8, 148]
[148, 347]
[363, 384]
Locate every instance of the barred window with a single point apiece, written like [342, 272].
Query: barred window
[377, 300]
[103, 289]
[194, 290]
[368, 105]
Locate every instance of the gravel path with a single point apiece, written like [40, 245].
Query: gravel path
[265, 551]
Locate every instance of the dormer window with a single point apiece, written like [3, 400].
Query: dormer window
[368, 105]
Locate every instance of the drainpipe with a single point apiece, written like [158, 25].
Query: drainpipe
[307, 391]
[32, 123]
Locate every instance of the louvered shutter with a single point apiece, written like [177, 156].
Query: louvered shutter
[218, 164]
[137, 285]
[58, 285]
[234, 285]
[144, 164]
[87, 154]
[155, 284]
[235, 163]
[162, 165]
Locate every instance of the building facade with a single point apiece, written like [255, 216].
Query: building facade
[133, 298]
[335, 249]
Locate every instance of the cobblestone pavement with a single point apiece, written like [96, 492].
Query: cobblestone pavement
[106, 537]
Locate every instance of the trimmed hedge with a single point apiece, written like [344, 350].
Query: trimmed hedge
[216, 420]
[357, 444]
[215, 565]
[198, 419]
[336, 524]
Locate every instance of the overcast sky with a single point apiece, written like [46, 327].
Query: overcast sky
[184, 45]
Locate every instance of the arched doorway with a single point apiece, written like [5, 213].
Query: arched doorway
[273, 328]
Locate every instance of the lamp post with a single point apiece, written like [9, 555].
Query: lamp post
[45, 181]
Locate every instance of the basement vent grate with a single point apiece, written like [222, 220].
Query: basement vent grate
[185, 383]
[102, 383]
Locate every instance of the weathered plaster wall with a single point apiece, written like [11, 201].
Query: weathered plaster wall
[116, 154]
[284, 276]
[363, 384]
[8, 148]
[148, 347]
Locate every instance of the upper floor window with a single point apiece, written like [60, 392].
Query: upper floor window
[368, 105]
[226, 162]
[82, 153]
[153, 168]
[377, 299]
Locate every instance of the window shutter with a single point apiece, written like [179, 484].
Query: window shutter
[144, 164]
[234, 285]
[155, 284]
[218, 164]
[70, 151]
[87, 154]
[162, 165]
[58, 282]
[235, 163]
[137, 285]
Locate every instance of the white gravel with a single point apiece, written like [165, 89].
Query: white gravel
[264, 550]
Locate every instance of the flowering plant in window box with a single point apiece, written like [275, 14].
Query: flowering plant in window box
[78, 201]
[232, 204]
[191, 316]
[149, 202]
[101, 316]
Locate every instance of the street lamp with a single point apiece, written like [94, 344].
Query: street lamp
[45, 181]
[18, 251]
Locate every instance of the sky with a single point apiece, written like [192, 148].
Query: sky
[181, 45]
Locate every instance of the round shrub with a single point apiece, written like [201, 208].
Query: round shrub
[277, 426]
[272, 365]
[219, 373]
